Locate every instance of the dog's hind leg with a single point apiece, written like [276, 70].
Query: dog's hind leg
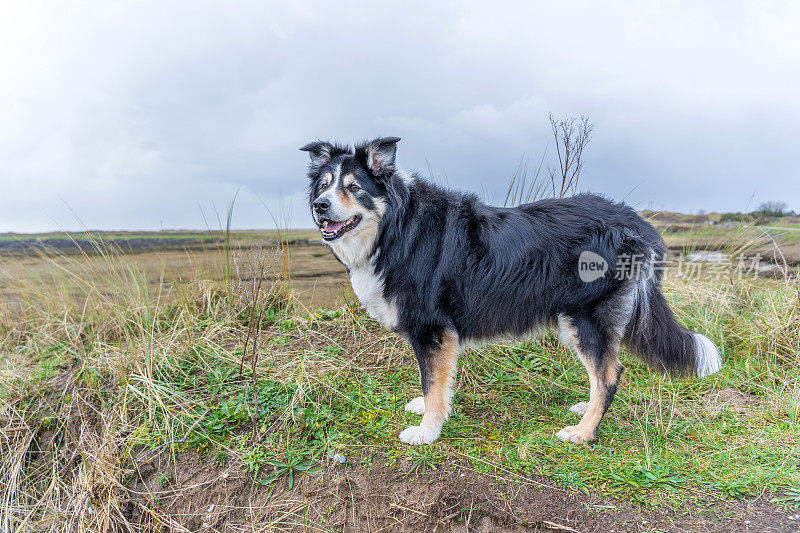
[437, 365]
[598, 350]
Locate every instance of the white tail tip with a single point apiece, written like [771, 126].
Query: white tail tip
[706, 356]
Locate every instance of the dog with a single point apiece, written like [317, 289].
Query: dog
[446, 271]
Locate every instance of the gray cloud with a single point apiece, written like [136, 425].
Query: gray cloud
[136, 114]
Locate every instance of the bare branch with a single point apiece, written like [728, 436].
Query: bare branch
[571, 137]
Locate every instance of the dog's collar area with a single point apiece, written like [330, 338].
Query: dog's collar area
[332, 230]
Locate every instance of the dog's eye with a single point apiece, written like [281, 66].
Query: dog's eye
[354, 187]
[323, 186]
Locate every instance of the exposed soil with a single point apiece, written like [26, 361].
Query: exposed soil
[200, 495]
[731, 399]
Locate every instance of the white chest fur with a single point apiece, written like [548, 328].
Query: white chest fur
[369, 289]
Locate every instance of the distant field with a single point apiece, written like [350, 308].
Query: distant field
[769, 241]
[260, 234]
[317, 279]
[108, 236]
[166, 257]
[138, 242]
[679, 233]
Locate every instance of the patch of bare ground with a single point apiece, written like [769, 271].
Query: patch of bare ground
[728, 398]
[187, 493]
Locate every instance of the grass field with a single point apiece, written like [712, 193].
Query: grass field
[188, 391]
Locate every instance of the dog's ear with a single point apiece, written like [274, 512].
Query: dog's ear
[381, 154]
[319, 152]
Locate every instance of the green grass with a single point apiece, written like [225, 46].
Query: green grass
[165, 373]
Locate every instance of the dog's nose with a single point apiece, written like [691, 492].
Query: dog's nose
[321, 205]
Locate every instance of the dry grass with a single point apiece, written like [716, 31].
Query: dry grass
[104, 369]
[77, 334]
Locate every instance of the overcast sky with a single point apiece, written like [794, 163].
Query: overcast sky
[143, 115]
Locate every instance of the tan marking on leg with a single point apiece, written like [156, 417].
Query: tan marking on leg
[599, 381]
[438, 400]
[613, 368]
[587, 427]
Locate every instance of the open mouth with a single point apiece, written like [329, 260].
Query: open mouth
[334, 229]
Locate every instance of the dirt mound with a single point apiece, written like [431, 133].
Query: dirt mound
[190, 494]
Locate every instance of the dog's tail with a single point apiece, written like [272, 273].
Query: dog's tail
[660, 341]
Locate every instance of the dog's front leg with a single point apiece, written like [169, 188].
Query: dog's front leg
[437, 358]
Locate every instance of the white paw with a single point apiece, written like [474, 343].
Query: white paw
[580, 408]
[575, 434]
[416, 406]
[418, 435]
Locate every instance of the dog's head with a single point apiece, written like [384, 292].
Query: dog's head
[349, 190]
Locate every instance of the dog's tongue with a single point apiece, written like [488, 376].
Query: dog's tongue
[333, 227]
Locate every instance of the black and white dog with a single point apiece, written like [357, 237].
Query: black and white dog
[447, 270]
